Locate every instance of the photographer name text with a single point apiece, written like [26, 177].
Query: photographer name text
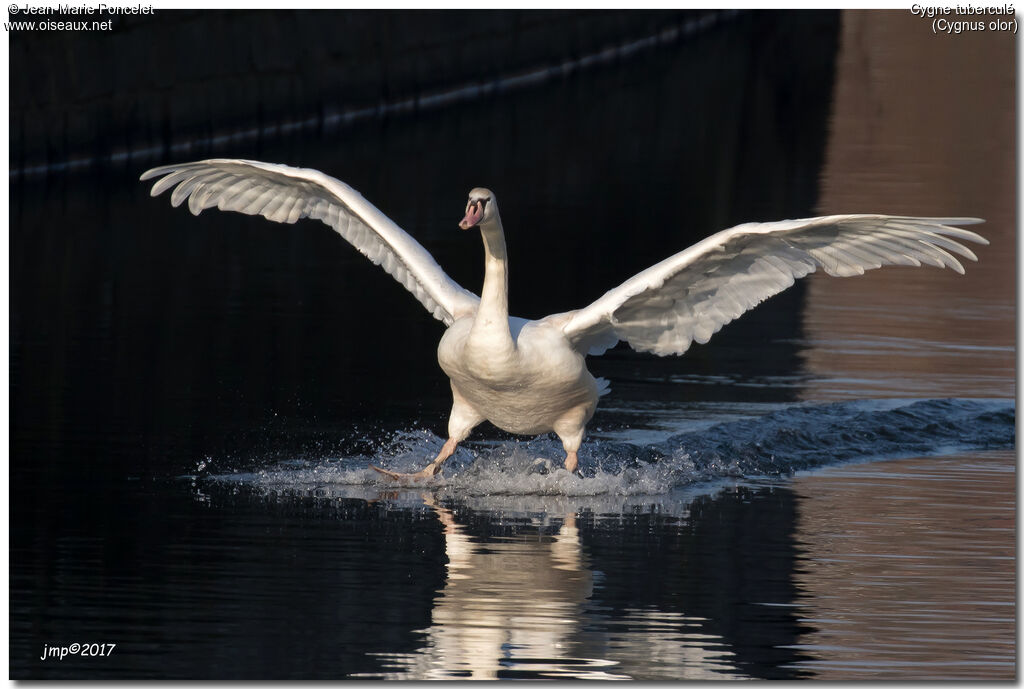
[81, 10]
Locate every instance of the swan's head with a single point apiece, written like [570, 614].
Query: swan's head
[480, 208]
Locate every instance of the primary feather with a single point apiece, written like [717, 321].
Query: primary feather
[285, 194]
[688, 297]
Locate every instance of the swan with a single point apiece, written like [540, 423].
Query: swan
[530, 376]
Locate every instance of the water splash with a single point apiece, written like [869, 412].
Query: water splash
[773, 445]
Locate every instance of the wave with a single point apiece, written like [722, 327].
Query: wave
[775, 444]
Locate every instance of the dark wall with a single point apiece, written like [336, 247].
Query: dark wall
[180, 76]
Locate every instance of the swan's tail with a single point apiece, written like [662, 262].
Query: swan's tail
[604, 386]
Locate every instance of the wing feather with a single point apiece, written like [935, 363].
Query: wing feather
[285, 194]
[253, 199]
[239, 196]
[689, 296]
[183, 190]
[169, 181]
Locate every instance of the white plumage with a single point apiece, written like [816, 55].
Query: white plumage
[531, 376]
[285, 194]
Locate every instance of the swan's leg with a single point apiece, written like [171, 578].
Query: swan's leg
[463, 419]
[571, 461]
[432, 469]
[447, 450]
[570, 431]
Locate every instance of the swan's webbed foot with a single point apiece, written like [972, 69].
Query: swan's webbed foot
[431, 470]
[428, 472]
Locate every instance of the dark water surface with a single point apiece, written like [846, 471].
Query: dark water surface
[826, 490]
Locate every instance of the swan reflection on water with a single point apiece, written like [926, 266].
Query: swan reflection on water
[518, 593]
[516, 607]
[509, 608]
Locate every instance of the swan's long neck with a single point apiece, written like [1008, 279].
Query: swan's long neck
[492, 315]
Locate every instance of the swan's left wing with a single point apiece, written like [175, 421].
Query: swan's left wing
[284, 194]
[689, 296]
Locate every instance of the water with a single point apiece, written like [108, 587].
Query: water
[899, 550]
[826, 490]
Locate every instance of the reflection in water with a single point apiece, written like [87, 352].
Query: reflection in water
[510, 608]
[656, 644]
[908, 568]
[903, 144]
[909, 564]
[696, 584]
[546, 574]
[516, 606]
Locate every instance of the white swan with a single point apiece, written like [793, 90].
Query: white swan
[531, 377]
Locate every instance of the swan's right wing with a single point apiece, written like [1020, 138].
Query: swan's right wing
[689, 296]
[284, 194]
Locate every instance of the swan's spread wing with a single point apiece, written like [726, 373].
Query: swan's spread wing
[689, 296]
[284, 194]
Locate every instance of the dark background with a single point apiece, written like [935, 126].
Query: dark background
[145, 341]
[175, 337]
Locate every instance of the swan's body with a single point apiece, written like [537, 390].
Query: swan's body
[530, 377]
[540, 383]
